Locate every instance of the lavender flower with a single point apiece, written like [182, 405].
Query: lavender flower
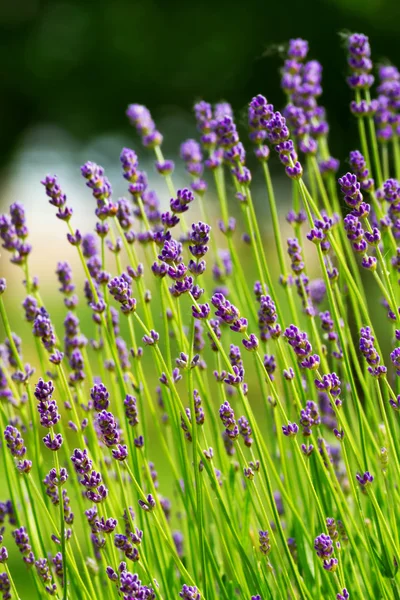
[264, 541]
[121, 291]
[140, 117]
[369, 352]
[104, 379]
[189, 592]
[245, 431]
[227, 417]
[267, 318]
[108, 428]
[359, 62]
[15, 444]
[364, 479]
[359, 166]
[47, 407]
[100, 397]
[298, 340]
[101, 190]
[42, 328]
[22, 541]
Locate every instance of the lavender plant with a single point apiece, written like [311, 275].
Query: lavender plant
[266, 397]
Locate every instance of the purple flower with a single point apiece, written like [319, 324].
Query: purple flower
[329, 166]
[225, 129]
[100, 397]
[395, 358]
[235, 378]
[330, 382]
[120, 452]
[359, 62]
[259, 113]
[169, 220]
[180, 204]
[3, 556]
[42, 328]
[120, 289]
[355, 233]
[64, 274]
[364, 479]
[203, 114]
[81, 461]
[171, 252]
[165, 167]
[53, 443]
[267, 318]
[270, 365]
[131, 410]
[53, 191]
[101, 189]
[395, 404]
[359, 167]
[225, 310]
[227, 416]
[5, 586]
[369, 352]
[317, 290]
[298, 49]
[47, 407]
[151, 339]
[391, 190]
[14, 441]
[294, 251]
[350, 188]
[184, 425]
[108, 428]
[290, 430]
[323, 546]
[189, 592]
[330, 564]
[251, 343]
[199, 236]
[307, 450]
[298, 340]
[22, 541]
[75, 239]
[190, 152]
[201, 311]
[140, 117]
[277, 130]
[264, 541]
[148, 504]
[245, 431]
[309, 417]
[44, 573]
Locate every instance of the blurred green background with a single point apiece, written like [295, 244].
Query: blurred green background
[70, 68]
[76, 64]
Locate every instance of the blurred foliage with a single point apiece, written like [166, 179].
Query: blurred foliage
[77, 64]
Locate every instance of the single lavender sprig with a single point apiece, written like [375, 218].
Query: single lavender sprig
[15, 444]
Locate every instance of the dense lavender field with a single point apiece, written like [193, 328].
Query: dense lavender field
[225, 423]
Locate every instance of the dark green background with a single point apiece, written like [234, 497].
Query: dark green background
[77, 64]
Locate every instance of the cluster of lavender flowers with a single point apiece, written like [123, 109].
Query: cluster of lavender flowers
[174, 325]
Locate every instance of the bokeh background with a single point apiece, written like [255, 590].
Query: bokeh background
[70, 68]
[74, 65]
